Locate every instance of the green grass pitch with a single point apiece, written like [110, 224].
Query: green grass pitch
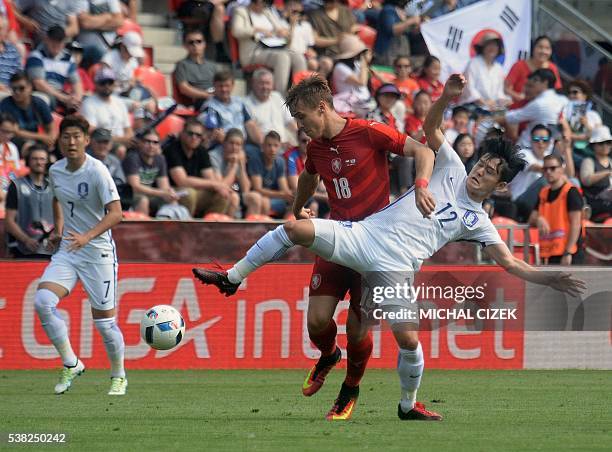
[264, 410]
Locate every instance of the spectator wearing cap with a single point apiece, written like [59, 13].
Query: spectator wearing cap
[98, 26]
[37, 16]
[386, 97]
[230, 112]
[33, 115]
[190, 170]
[558, 215]
[596, 174]
[485, 76]
[194, 75]
[100, 146]
[545, 108]
[105, 110]
[10, 58]
[51, 67]
[267, 107]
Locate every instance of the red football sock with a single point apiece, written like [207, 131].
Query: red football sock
[357, 359]
[326, 339]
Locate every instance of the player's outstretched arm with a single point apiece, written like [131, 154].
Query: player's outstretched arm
[306, 187]
[113, 217]
[561, 281]
[433, 121]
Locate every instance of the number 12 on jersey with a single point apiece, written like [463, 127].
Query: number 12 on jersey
[343, 191]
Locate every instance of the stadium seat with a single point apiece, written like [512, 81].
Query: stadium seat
[93, 69]
[235, 55]
[129, 25]
[217, 217]
[172, 125]
[135, 216]
[152, 79]
[260, 218]
[608, 222]
[367, 35]
[301, 75]
[148, 58]
[57, 119]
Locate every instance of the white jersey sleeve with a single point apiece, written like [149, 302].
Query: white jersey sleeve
[486, 234]
[446, 157]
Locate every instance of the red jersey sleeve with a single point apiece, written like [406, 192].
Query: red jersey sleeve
[385, 138]
[309, 166]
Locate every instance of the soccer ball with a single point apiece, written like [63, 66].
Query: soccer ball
[162, 327]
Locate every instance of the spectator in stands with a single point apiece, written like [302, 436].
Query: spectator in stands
[429, 80]
[408, 86]
[449, 6]
[460, 121]
[76, 50]
[7, 11]
[526, 184]
[386, 97]
[229, 165]
[37, 17]
[295, 160]
[545, 108]
[414, 123]
[302, 34]
[33, 115]
[207, 16]
[100, 147]
[330, 23]
[194, 75]
[29, 212]
[129, 9]
[596, 175]
[98, 26]
[350, 77]
[485, 76]
[230, 112]
[190, 171]
[262, 39]
[269, 175]
[10, 164]
[558, 216]
[541, 53]
[147, 173]
[105, 110]
[580, 116]
[267, 107]
[465, 148]
[10, 58]
[51, 67]
[392, 37]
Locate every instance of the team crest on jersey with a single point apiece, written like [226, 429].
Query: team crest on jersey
[315, 282]
[83, 190]
[470, 218]
[336, 165]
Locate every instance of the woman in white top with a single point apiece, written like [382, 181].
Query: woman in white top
[485, 76]
[263, 39]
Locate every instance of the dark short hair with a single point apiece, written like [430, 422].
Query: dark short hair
[430, 60]
[421, 93]
[544, 75]
[223, 76]
[401, 57]
[18, 76]
[231, 133]
[36, 147]
[460, 109]
[512, 161]
[555, 156]
[460, 138]
[272, 135]
[7, 117]
[193, 31]
[310, 92]
[582, 85]
[74, 120]
[541, 127]
[193, 121]
[540, 39]
[56, 33]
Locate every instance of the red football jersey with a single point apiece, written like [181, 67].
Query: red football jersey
[354, 167]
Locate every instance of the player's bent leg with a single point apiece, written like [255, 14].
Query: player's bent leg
[322, 331]
[410, 370]
[106, 324]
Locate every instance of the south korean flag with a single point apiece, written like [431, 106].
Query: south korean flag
[452, 37]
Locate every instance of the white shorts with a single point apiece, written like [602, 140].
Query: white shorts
[98, 279]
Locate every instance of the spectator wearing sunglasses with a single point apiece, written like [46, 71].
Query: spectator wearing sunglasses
[194, 74]
[526, 185]
[558, 215]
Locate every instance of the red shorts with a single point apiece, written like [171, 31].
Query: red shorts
[335, 280]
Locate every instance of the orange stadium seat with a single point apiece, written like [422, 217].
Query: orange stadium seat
[367, 35]
[301, 75]
[217, 217]
[57, 118]
[152, 79]
[172, 125]
[129, 25]
[148, 58]
[135, 216]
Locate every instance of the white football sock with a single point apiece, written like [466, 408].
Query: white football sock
[267, 249]
[113, 342]
[45, 302]
[410, 369]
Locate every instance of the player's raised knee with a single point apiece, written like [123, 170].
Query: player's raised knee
[300, 232]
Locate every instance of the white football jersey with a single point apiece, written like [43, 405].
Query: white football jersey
[407, 238]
[82, 195]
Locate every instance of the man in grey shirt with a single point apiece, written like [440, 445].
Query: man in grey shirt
[98, 26]
[37, 16]
[100, 147]
[193, 74]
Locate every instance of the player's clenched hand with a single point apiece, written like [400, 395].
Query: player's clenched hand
[454, 85]
[564, 282]
[304, 214]
[425, 201]
[53, 241]
[76, 241]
